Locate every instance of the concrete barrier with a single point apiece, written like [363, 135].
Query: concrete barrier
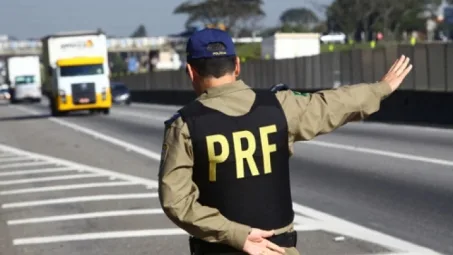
[410, 107]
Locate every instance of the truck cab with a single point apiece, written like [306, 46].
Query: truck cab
[78, 73]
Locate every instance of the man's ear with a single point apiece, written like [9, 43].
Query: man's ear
[190, 71]
[237, 70]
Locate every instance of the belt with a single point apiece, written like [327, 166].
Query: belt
[200, 247]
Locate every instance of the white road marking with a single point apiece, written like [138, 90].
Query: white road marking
[126, 145]
[156, 106]
[142, 116]
[14, 159]
[67, 200]
[303, 220]
[301, 228]
[334, 224]
[347, 228]
[38, 171]
[383, 153]
[24, 164]
[7, 155]
[80, 216]
[62, 162]
[51, 178]
[67, 187]
[98, 236]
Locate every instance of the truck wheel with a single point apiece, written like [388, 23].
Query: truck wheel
[55, 113]
[53, 109]
[106, 111]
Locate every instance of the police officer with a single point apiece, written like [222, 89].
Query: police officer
[224, 174]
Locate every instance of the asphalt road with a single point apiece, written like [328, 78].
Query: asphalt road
[397, 181]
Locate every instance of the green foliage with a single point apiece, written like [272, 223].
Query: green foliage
[249, 51]
[389, 16]
[231, 13]
[118, 64]
[298, 17]
[140, 31]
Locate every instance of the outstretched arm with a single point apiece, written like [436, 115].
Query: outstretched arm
[310, 115]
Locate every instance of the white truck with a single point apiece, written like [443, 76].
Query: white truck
[78, 74]
[24, 78]
[290, 45]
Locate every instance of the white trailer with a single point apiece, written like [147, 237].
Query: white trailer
[24, 78]
[290, 45]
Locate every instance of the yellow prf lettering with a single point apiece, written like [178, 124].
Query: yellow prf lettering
[242, 154]
[266, 147]
[214, 158]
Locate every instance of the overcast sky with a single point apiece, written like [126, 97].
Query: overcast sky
[36, 18]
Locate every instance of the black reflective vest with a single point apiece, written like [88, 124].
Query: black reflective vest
[241, 163]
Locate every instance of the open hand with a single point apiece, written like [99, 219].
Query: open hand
[397, 72]
[257, 244]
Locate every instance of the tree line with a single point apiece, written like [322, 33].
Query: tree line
[355, 18]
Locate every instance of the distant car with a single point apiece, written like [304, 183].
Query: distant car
[120, 93]
[336, 37]
[4, 94]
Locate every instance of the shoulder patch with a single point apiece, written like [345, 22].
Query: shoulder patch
[172, 119]
[279, 87]
[297, 93]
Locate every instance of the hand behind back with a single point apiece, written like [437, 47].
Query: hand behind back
[257, 244]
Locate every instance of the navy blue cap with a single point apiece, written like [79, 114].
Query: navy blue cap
[197, 45]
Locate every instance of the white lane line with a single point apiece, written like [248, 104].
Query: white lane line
[368, 235]
[80, 199]
[303, 220]
[51, 178]
[156, 106]
[25, 164]
[81, 216]
[68, 187]
[99, 236]
[302, 228]
[143, 116]
[383, 153]
[134, 179]
[394, 253]
[340, 226]
[137, 149]
[7, 155]
[14, 159]
[38, 171]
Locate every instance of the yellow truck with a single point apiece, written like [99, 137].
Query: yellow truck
[77, 68]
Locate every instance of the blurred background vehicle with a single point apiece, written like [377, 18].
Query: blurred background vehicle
[120, 93]
[4, 93]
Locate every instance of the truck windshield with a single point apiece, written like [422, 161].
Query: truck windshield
[81, 70]
[24, 79]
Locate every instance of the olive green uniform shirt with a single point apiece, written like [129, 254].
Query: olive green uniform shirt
[308, 115]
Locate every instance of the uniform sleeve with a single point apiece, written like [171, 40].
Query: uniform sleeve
[310, 115]
[179, 194]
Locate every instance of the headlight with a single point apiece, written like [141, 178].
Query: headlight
[62, 95]
[122, 97]
[104, 94]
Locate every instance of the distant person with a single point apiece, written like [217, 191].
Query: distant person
[224, 173]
